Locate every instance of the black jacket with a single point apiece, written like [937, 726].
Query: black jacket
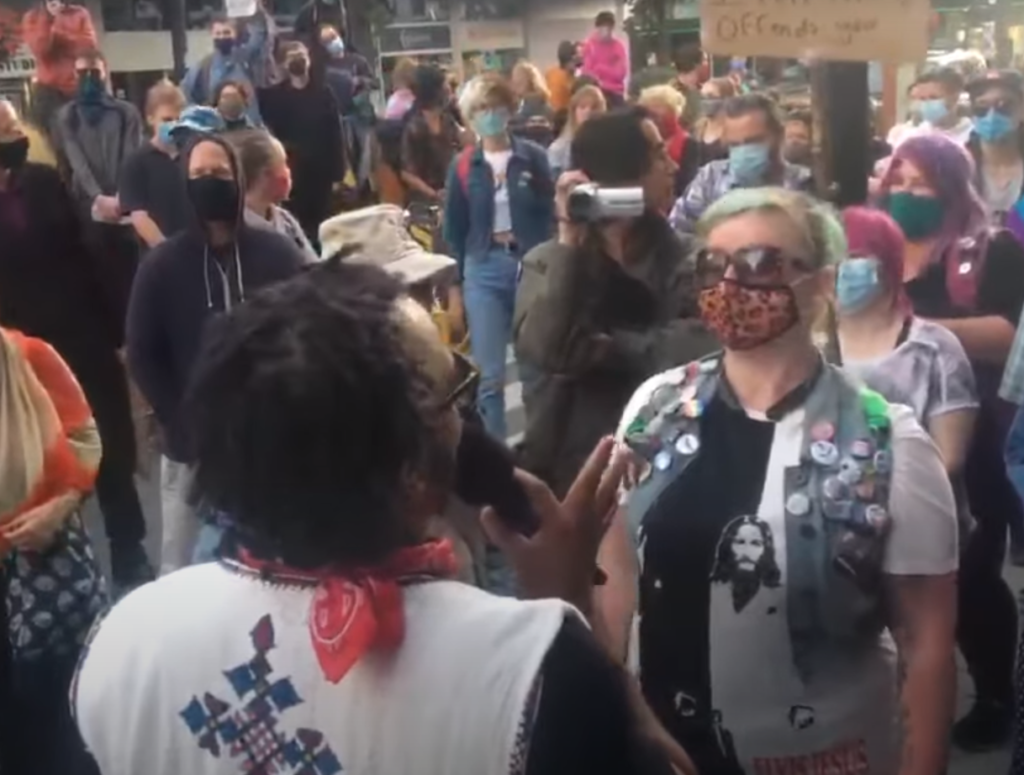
[50, 283]
[180, 286]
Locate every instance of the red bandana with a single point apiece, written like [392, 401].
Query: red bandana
[361, 610]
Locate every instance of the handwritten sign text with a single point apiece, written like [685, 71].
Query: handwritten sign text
[860, 30]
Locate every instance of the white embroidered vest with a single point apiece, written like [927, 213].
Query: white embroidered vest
[211, 672]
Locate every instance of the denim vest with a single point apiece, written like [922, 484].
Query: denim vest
[836, 500]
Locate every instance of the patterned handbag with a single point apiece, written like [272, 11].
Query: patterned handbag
[53, 597]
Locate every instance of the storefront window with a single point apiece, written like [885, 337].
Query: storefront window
[501, 60]
[490, 10]
[421, 11]
[133, 16]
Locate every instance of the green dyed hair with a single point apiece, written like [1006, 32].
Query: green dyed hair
[816, 221]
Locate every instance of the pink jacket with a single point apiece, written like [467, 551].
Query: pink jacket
[606, 61]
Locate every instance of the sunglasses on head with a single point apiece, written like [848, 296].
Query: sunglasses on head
[467, 380]
[756, 265]
[1006, 107]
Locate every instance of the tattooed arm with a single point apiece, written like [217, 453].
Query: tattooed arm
[922, 618]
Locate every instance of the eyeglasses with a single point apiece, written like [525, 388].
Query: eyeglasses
[467, 380]
[1006, 107]
[756, 265]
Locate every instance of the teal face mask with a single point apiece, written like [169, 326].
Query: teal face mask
[749, 163]
[491, 123]
[857, 284]
[918, 216]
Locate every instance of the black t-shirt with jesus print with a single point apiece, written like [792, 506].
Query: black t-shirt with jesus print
[713, 642]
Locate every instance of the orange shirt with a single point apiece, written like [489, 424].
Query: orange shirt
[55, 41]
[63, 468]
[560, 85]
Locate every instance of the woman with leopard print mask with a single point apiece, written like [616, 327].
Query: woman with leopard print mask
[780, 522]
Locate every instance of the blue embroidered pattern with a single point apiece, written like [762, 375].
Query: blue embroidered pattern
[247, 731]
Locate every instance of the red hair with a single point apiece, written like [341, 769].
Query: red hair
[873, 234]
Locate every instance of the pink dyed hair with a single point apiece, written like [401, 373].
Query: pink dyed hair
[949, 170]
[872, 233]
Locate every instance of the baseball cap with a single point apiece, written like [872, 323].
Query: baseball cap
[197, 118]
[1010, 80]
[383, 240]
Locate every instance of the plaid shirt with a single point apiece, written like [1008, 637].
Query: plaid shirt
[714, 180]
[1012, 388]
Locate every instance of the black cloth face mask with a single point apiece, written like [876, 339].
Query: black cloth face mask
[214, 199]
[14, 154]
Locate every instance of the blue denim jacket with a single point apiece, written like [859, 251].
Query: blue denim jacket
[469, 205]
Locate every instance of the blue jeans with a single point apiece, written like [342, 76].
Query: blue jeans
[208, 544]
[1015, 453]
[489, 293]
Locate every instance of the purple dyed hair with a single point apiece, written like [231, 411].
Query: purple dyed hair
[949, 170]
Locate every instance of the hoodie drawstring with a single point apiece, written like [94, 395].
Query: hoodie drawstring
[224, 279]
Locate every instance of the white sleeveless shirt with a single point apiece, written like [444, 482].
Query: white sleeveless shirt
[210, 671]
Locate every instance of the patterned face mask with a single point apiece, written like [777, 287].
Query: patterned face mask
[743, 316]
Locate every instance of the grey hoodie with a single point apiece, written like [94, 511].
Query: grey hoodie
[285, 224]
[96, 151]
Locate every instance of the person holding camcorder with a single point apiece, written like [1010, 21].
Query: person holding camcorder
[607, 303]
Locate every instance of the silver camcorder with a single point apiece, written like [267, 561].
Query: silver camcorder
[590, 202]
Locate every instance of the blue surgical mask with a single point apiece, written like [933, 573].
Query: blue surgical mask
[857, 284]
[491, 123]
[163, 132]
[994, 126]
[749, 162]
[336, 47]
[933, 111]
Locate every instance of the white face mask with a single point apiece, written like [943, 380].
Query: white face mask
[604, 32]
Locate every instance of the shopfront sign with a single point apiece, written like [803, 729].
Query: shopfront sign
[419, 37]
[16, 61]
[858, 30]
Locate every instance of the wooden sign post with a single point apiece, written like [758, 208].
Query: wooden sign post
[840, 37]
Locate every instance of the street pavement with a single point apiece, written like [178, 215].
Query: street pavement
[995, 763]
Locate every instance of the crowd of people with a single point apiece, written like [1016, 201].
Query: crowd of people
[772, 466]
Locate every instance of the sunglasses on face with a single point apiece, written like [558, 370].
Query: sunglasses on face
[1006, 107]
[754, 265]
[467, 380]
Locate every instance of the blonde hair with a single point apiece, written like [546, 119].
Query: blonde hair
[402, 73]
[582, 96]
[29, 426]
[484, 90]
[666, 95]
[40, 149]
[536, 83]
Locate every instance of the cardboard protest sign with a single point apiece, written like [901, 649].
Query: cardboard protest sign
[859, 30]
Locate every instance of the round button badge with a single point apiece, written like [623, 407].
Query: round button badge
[687, 445]
[798, 504]
[824, 453]
[823, 431]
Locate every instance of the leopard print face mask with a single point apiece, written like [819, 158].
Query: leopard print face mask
[743, 316]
